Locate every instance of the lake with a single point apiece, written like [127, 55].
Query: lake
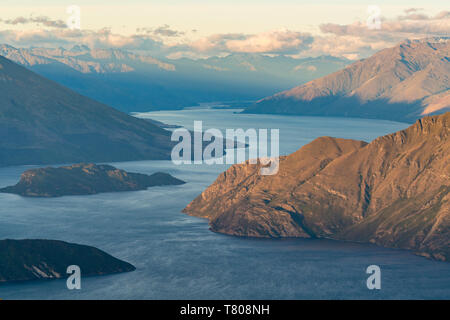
[177, 257]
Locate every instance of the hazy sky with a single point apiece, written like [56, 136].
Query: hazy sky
[206, 27]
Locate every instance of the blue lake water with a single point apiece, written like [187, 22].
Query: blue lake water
[177, 257]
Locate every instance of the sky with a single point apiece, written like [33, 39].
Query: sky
[202, 28]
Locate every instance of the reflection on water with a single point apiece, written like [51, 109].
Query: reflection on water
[177, 257]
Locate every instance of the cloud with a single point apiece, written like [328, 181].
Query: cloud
[104, 38]
[215, 43]
[391, 29]
[443, 15]
[357, 40]
[412, 23]
[101, 39]
[41, 20]
[163, 31]
[353, 41]
[413, 15]
[275, 42]
[33, 38]
[411, 10]
[284, 42]
[189, 54]
[349, 47]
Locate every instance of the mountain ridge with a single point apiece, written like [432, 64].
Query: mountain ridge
[392, 192]
[396, 83]
[48, 123]
[134, 82]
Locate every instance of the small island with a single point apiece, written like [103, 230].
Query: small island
[85, 179]
[25, 260]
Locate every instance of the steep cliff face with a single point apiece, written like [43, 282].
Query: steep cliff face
[393, 191]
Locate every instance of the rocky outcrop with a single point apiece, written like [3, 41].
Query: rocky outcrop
[393, 192]
[401, 83]
[83, 179]
[24, 260]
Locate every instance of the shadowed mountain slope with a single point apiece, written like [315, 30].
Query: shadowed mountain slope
[24, 260]
[134, 82]
[44, 122]
[402, 83]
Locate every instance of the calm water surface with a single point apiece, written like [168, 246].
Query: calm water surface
[177, 257]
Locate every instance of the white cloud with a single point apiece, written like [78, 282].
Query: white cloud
[103, 38]
[40, 20]
[354, 40]
[271, 42]
[161, 31]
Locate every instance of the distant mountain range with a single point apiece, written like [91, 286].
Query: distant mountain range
[132, 82]
[394, 191]
[82, 59]
[401, 83]
[43, 122]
